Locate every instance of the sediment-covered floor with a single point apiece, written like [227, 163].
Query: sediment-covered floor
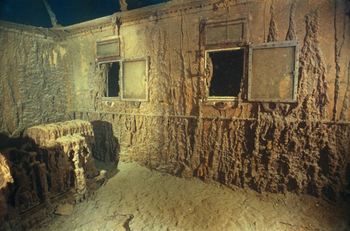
[137, 198]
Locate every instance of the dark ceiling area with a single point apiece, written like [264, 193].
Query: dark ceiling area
[68, 12]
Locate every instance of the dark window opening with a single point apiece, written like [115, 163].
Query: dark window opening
[227, 67]
[113, 79]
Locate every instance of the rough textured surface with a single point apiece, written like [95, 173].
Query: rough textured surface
[64, 209]
[33, 77]
[78, 151]
[39, 175]
[272, 35]
[76, 139]
[302, 147]
[5, 179]
[5, 174]
[140, 199]
[49, 162]
[106, 146]
[46, 134]
[272, 147]
[98, 134]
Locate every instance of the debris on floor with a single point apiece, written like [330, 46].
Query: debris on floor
[137, 198]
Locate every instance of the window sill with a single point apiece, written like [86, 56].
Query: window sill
[221, 98]
[111, 99]
[221, 103]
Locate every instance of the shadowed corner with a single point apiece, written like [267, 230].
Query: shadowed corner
[51, 164]
[106, 148]
[5, 180]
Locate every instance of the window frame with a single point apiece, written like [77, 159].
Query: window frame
[107, 98]
[209, 98]
[214, 24]
[120, 96]
[107, 40]
[146, 59]
[271, 45]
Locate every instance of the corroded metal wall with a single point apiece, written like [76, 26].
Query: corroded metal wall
[300, 147]
[33, 77]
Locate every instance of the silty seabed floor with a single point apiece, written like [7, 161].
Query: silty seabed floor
[137, 198]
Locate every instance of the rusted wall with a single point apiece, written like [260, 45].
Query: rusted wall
[33, 77]
[300, 147]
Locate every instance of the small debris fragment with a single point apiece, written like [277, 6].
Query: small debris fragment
[64, 209]
[102, 177]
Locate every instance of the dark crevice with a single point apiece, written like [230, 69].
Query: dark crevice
[113, 79]
[227, 72]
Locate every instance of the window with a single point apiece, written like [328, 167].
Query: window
[224, 32]
[272, 67]
[126, 79]
[112, 79]
[135, 79]
[273, 72]
[223, 43]
[108, 48]
[225, 72]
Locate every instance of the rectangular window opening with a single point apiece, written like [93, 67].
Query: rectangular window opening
[112, 79]
[134, 81]
[125, 80]
[108, 48]
[226, 70]
[273, 72]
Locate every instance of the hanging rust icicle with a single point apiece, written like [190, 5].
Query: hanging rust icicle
[272, 36]
[313, 84]
[346, 101]
[291, 34]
